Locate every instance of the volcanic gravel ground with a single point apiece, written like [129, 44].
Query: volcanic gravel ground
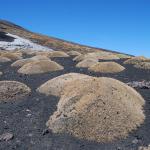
[26, 118]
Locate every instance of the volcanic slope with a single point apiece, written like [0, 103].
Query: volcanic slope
[46, 41]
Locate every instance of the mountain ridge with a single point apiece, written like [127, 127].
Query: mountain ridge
[48, 41]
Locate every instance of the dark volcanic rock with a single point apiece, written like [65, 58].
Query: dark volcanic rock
[6, 38]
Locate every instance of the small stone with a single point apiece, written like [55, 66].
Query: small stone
[28, 115]
[6, 127]
[30, 134]
[144, 148]
[135, 141]
[82, 145]
[32, 142]
[37, 99]
[6, 137]
[28, 110]
[18, 141]
[142, 85]
[45, 131]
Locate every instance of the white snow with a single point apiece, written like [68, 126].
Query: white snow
[21, 43]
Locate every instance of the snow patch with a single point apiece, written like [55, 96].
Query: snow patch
[21, 43]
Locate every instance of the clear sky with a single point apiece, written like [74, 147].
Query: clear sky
[121, 25]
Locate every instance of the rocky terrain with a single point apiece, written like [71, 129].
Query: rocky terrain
[67, 96]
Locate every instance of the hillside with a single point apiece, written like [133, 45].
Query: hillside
[51, 42]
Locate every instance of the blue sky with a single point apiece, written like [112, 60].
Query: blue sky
[121, 25]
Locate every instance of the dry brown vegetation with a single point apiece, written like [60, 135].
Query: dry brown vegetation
[58, 54]
[43, 53]
[21, 62]
[52, 54]
[4, 59]
[42, 66]
[80, 58]
[11, 55]
[97, 109]
[29, 52]
[123, 56]
[12, 90]
[86, 63]
[73, 53]
[106, 67]
[40, 57]
[135, 60]
[56, 85]
[96, 56]
[143, 65]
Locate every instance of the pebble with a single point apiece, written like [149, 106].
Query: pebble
[6, 137]
[135, 141]
[45, 131]
[30, 134]
[37, 99]
[144, 148]
[28, 110]
[142, 85]
[118, 148]
[28, 115]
